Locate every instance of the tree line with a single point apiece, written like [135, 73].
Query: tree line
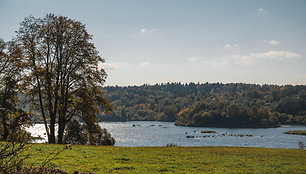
[209, 104]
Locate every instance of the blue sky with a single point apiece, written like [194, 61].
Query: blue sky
[158, 41]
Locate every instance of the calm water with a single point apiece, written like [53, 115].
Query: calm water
[152, 133]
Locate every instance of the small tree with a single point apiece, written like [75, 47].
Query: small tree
[99, 136]
[77, 133]
[11, 116]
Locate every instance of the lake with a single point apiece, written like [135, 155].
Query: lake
[153, 133]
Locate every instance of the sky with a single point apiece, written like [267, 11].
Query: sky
[160, 41]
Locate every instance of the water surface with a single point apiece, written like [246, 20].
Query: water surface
[153, 133]
[148, 133]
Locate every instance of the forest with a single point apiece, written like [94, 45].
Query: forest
[209, 104]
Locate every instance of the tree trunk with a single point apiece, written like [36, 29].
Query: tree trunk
[61, 128]
[5, 128]
[52, 131]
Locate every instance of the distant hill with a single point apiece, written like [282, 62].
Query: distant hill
[209, 104]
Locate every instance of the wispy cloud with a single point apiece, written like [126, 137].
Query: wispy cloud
[192, 59]
[143, 30]
[110, 66]
[147, 31]
[143, 64]
[260, 10]
[277, 54]
[215, 63]
[244, 59]
[280, 55]
[251, 58]
[272, 42]
[231, 45]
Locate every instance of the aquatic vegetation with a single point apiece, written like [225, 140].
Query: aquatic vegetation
[207, 131]
[296, 132]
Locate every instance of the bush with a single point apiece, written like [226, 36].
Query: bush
[301, 145]
[171, 145]
[76, 133]
[100, 136]
[41, 170]
[11, 160]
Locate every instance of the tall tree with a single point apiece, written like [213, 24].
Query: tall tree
[61, 73]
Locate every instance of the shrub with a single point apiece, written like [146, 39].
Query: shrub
[76, 133]
[11, 160]
[301, 145]
[208, 131]
[171, 145]
[99, 136]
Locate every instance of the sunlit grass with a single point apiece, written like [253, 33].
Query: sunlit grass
[101, 159]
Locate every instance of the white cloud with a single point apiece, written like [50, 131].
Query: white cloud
[111, 66]
[262, 11]
[215, 63]
[192, 59]
[143, 64]
[227, 46]
[231, 46]
[147, 31]
[247, 60]
[272, 42]
[251, 58]
[143, 30]
[276, 55]
[241, 59]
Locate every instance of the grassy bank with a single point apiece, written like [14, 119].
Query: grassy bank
[101, 159]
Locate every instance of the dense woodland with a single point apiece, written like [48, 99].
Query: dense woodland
[209, 104]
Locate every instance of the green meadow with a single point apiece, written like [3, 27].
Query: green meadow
[109, 159]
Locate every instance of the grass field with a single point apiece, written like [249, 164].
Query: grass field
[101, 159]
